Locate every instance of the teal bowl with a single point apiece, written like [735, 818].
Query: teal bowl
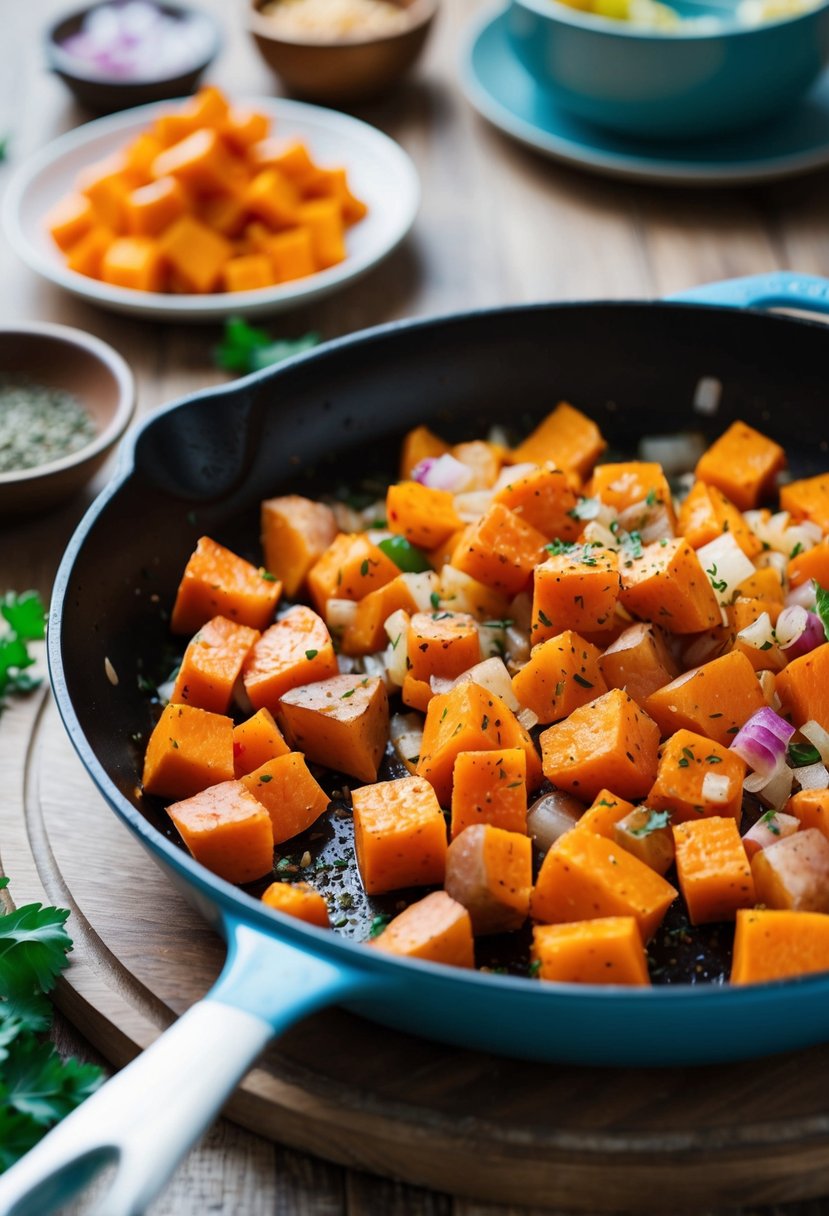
[693, 83]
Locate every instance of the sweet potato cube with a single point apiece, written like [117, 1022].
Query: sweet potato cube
[350, 567]
[629, 483]
[714, 700]
[482, 459]
[297, 649]
[419, 444]
[365, 633]
[167, 130]
[291, 254]
[207, 108]
[668, 585]
[463, 593]
[342, 722]
[212, 664]
[763, 584]
[794, 872]
[255, 741]
[585, 876]
[296, 531]
[424, 516]
[323, 219]
[466, 719]
[697, 778]
[608, 950]
[87, 254]
[139, 154]
[298, 899]
[274, 199]
[227, 830]
[542, 497]
[803, 687]
[69, 220]
[435, 928]
[807, 499]
[288, 792]
[195, 253]
[604, 813]
[811, 809]
[152, 208]
[399, 835]
[490, 787]
[707, 513]
[562, 674]
[223, 213]
[810, 564]
[770, 827]
[333, 183]
[567, 438]
[217, 582]
[608, 741]
[242, 128]
[500, 550]
[646, 835]
[742, 463]
[248, 272]
[773, 945]
[577, 588]
[199, 160]
[639, 662]
[443, 644]
[292, 158]
[108, 195]
[713, 870]
[189, 750]
[135, 262]
[489, 871]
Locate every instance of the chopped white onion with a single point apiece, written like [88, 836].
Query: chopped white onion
[596, 533]
[471, 505]
[768, 684]
[512, 473]
[812, 776]
[773, 790]
[725, 564]
[421, 588]
[772, 560]
[818, 737]
[716, 789]
[442, 473]
[375, 665]
[651, 522]
[492, 675]
[551, 816]
[397, 630]
[804, 596]
[759, 634]
[346, 664]
[527, 717]
[780, 534]
[676, 453]
[339, 613]
[406, 734]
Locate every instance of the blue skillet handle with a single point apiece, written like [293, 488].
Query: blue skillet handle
[780, 289]
[148, 1116]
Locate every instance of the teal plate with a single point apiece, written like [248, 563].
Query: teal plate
[505, 94]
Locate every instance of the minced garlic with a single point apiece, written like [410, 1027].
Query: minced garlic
[326, 19]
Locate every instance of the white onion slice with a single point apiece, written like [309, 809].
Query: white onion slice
[759, 634]
[421, 588]
[812, 776]
[406, 734]
[726, 565]
[804, 596]
[340, 613]
[818, 737]
[527, 717]
[774, 790]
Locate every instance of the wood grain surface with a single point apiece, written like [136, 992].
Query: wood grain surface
[497, 224]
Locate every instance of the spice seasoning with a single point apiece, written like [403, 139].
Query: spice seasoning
[336, 18]
[39, 424]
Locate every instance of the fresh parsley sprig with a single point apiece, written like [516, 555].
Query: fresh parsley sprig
[25, 619]
[37, 1087]
[245, 349]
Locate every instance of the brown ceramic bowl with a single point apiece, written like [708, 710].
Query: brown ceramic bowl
[57, 356]
[347, 69]
[103, 94]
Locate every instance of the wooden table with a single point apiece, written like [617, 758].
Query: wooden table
[498, 224]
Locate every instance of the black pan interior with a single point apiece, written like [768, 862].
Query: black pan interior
[335, 419]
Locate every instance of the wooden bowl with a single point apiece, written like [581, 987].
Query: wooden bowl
[56, 356]
[345, 70]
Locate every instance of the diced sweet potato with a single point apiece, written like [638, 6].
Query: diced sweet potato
[248, 272]
[604, 813]
[714, 873]
[227, 830]
[290, 795]
[562, 674]
[482, 459]
[418, 444]
[195, 252]
[803, 687]
[608, 950]
[763, 584]
[435, 928]
[794, 873]
[543, 497]
[769, 828]
[70, 220]
[773, 945]
[696, 778]
[365, 634]
[350, 568]
[808, 499]
[810, 564]
[576, 588]
[567, 438]
[667, 585]
[255, 741]
[296, 649]
[584, 876]
[629, 483]
[469, 718]
[324, 221]
[295, 533]
[811, 809]
[714, 700]
[426, 517]
[136, 262]
[609, 740]
[342, 722]
[490, 787]
[644, 834]
[500, 550]
[189, 750]
[706, 513]
[638, 662]
[742, 463]
[443, 644]
[152, 208]
[399, 835]
[298, 899]
[489, 871]
[216, 582]
[212, 664]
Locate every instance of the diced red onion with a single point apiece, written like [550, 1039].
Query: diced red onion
[799, 631]
[804, 595]
[762, 741]
[442, 473]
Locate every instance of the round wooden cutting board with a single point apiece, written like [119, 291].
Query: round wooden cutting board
[493, 1129]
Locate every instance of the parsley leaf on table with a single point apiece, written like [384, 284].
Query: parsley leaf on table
[25, 618]
[246, 349]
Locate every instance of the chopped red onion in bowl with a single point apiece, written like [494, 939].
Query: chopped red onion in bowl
[137, 41]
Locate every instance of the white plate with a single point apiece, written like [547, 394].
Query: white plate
[379, 172]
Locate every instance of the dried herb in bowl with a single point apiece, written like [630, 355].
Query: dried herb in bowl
[39, 425]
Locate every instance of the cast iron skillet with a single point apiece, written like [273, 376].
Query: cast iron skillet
[202, 466]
